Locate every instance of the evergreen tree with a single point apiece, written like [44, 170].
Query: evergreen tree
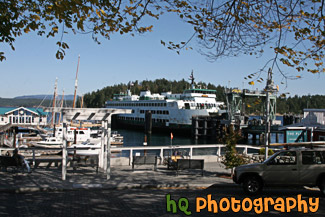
[232, 158]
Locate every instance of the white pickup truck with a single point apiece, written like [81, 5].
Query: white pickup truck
[294, 167]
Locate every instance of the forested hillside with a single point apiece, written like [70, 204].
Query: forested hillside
[13, 102]
[294, 104]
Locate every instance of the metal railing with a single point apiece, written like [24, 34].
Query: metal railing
[217, 150]
[192, 148]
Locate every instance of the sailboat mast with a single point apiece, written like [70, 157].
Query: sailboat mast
[82, 101]
[54, 99]
[76, 85]
[61, 107]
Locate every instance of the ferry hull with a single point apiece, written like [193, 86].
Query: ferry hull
[156, 127]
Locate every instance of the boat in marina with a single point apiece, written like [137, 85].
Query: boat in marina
[88, 148]
[50, 142]
[92, 146]
[78, 135]
[168, 111]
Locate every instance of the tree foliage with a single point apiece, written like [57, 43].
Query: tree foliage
[232, 158]
[56, 18]
[294, 29]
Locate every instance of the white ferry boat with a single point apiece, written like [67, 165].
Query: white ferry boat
[169, 111]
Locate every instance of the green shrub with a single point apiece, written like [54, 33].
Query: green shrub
[262, 152]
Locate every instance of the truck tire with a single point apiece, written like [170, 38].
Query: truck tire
[252, 185]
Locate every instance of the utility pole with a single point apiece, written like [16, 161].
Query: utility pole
[269, 88]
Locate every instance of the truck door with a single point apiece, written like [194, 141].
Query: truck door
[282, 170]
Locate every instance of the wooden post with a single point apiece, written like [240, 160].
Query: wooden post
[148, 122]
[14, 140]
[64, 152]
[131, 156]
[108, 158]
[34, 157]
[101, 156]
[105, 146]
[75, 136]
[2, 137]
[161, 155]
[205, 126]
[254, 138]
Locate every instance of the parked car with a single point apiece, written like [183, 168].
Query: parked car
[293, 167]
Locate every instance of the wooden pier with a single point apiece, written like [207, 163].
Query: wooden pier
[208, 127]
[259, 131]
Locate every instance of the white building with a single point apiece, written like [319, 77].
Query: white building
[314, 117]
[22, 116]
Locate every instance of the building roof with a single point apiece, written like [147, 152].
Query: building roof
[39, 111]
[314, 110]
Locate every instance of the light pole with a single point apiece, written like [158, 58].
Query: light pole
[269, 88]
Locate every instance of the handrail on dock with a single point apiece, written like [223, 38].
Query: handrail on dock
[132, 149]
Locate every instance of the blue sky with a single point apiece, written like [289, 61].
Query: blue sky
[32, 68]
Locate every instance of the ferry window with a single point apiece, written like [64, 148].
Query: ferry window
[167, 112]
[165, 104]
[156, 104]
[132, 110]
[81, 132]
[10, 119]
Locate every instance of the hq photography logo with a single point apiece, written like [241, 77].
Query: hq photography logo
[257, 205]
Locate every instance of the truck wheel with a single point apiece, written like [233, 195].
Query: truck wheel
[252, 185]
[322, 186]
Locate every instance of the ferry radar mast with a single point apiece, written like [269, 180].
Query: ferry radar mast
[192, 80]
